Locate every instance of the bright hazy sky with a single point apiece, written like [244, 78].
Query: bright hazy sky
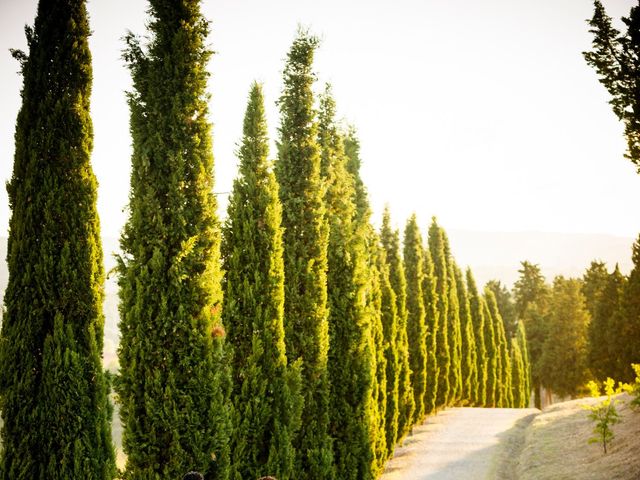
[481, 112]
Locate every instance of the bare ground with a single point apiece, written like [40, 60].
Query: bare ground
[555, 445]
[461, 443]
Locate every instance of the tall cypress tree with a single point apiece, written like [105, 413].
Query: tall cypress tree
[266, 392]
[469, 352]
[443, 354]
[391, 243]
[416, 328]
[351, 366]
[493, 355]
[518, 374]
[376, 291]
[505, 395]
[430, 300]
[305, 241]
[476, 306]
[454, 333]
[521, 336]
[173, 383]
[53, 390]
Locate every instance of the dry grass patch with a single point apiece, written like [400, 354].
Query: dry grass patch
[555, 444]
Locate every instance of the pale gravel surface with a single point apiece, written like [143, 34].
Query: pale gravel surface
[458, 443]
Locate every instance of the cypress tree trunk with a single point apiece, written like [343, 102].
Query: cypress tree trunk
[469, 353]
[53, 390]
[438, 255]
[173, 383]
[430, 300]
[391, 244]
[305, 257]
[476, 306]
[351, 367]
[266, 392]
[416, 327]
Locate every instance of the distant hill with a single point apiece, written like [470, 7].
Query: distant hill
[490, 255]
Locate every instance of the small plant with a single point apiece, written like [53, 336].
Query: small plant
[635, 388]
[604, 414]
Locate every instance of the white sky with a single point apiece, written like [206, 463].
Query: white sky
[481, 112]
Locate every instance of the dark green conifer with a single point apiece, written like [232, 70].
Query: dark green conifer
[506, 307]
[390, 240]
[416, 327]
[469, 352]
[53, 390]
[266, 391]
[476, 307]
[627, 336]
[493, 355]
[430, 301]
[443, 353]
[351, 366]
[305, 241]
[594, 281]
[454, 333]
[173, 385]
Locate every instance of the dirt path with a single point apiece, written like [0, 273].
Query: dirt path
[460, 443]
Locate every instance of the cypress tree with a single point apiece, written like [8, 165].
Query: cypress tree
[266, 392]
[628, 334]
[416, 328]
[454, 333]
[521, 336]
[430, 301]
[377, 283]
[305, 242]
[469, 352]
[53, 390]
[476, 307]
[506, 307]
[604, 328]
[493, 355]
[391, 244]
[351, 365]
[173, 385]
[594, 281]
[566, 343]
[518, 374]
[505, 395]
[443, 354]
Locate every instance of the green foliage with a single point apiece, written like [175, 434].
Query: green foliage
[636, 385]
[506, 306]
[614, 57]
[521, 337]
[351, 366]
[604, 414]
[454, 333]
[627, 331]
[493, 354]
[443, 353]
[469, 348]
[305, 242]
[594, 281]
[173, 385]
[266, 391]
[603, 332]
[53, 390]
[477, 311]
[518, 385]
[532, 294]
[503, 393]
[430, 301]
[566, 343]
[390, 240]
[416, 327]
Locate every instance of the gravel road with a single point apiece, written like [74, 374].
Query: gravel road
[458, 444]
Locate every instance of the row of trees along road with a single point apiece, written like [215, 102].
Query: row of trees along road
[319, 348]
